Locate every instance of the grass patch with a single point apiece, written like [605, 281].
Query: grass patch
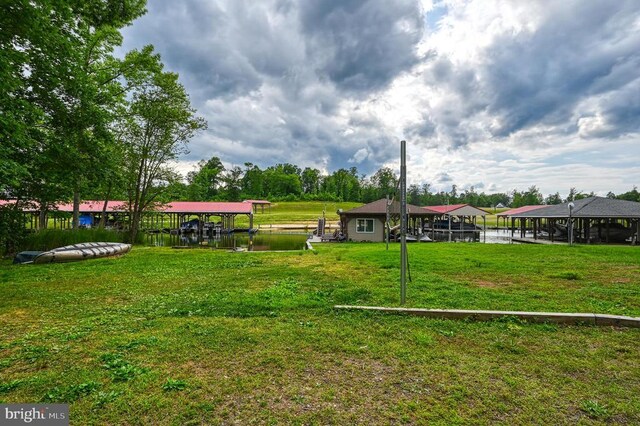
[198, 336]
[119, 369]
[594, 409]
[71, 393]
[567, 275]
[174, 385]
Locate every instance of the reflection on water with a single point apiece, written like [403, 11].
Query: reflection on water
[253, 242]
[493, 236]
[265, 241]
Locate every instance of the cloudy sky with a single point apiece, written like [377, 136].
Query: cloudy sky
[495, 94]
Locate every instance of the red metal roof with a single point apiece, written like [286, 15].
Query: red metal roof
[207, 207]
[93, 206]
[445, 209]
[519, 210]
[174, 207]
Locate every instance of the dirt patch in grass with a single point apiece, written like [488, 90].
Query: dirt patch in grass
[486, 284]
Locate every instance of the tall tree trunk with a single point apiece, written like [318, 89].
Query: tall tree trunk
[103, 216]
[76, 209]
[42, 219]
[135, 224]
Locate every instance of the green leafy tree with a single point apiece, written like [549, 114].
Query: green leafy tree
[310, 180]
[155, 131]
[252, 181]
[282, 180]
[384, 180]
[530, 197]
[233, 184]
[632, 195]
[344, 183]
[60, 87]
[553, 199]
[205, 182]
[413, 195]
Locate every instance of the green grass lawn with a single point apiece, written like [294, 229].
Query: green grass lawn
[164, 336]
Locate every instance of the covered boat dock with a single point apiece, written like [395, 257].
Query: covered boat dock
[442, 219]
[506, 215]
[590, 220]
[169, 216]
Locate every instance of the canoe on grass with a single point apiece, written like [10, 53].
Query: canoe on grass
[73, 253]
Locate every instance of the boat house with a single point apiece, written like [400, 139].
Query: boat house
[170, 215]
[367, 222]
[455, 218]
[591, 220]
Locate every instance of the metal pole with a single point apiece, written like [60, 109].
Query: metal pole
[571, 205]
[387, 225]
[403, 222]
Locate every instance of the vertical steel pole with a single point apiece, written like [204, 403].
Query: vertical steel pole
[403, 222]
[387, 224]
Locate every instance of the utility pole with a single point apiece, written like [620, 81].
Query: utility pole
[403, 222]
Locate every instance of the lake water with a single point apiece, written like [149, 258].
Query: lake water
[266, 241]
[262, 241]
[493, 236]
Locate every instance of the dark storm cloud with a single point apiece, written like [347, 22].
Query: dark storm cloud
[270, 76]
[423, 129]
[539, 78]
[219, 49]
[361, 45]
[582, 50]
[313, 82]
[620, 112]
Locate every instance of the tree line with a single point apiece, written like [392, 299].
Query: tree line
[211, 181]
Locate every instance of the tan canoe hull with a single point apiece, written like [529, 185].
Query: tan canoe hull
[83, 251]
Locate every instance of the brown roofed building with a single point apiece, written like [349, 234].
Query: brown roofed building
[367, 222]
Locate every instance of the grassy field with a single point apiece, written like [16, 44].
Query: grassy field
[307, 212]
[200, 336]
[491, 218]
[298, 212]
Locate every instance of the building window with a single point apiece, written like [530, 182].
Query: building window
[364, 226]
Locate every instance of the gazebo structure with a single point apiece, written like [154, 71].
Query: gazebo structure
[590, 220]
[181, 211]
[367, 222]
[442, 219]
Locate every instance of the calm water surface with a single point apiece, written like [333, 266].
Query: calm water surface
[255, 242]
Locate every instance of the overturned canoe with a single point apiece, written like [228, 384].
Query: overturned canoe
[74, 253]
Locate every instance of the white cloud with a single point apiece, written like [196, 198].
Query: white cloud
[505, 93]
